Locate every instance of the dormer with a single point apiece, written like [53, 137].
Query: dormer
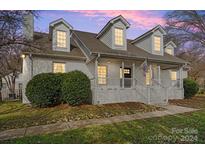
[169, 47]
[60, 32]
[113, 33]
[151, 41]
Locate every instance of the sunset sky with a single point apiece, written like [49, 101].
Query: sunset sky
[93, 21]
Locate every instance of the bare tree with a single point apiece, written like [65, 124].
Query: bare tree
[187, 30]
[186, 26]
[12, 41]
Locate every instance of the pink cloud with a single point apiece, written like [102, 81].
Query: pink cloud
[138, 19]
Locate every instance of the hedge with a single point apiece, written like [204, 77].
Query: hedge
[50, 89]
[76, 88]
[190, 88]
[44, 89]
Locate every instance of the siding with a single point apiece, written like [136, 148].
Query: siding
[145, 44]
[107, 38]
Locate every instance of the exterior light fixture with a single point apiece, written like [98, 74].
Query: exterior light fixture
[23, 56]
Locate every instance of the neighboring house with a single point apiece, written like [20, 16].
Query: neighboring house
[18, 88]
[120, 69]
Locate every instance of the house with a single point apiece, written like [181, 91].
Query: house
[120, 70]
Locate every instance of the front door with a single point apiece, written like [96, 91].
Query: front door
[127, 77]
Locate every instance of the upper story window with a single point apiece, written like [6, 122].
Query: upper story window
[61, 39]
[58, 68]
[102, 74]
[169, 51]
[157, 43]
[118, 36]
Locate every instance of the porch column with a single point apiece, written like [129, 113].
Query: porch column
[123, 65]
[96, 72]
[150, 69]
[159, 75]
[180, 78]
[133, 76]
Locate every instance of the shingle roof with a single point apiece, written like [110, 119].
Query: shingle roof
[96, 46]
[149, 33]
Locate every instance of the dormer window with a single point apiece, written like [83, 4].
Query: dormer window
[119, 36]
[169, 51]
[61, 39]
[157, 43]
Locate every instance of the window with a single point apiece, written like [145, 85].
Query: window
[58, 68]
[157, 43]
[148, 77]
[102, 74]
[61, 39]
[126, 72]
[118, 36]
[173, 75]
[169, 51]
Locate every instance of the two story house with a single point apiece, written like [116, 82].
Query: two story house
[120, 70]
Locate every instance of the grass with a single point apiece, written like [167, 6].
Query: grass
[195, 102]
[183, 128]
[18, 115]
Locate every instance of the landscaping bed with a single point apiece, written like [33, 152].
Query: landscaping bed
[194, 102]
[18, 115]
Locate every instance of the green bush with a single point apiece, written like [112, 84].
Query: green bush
[190, 88]
[76, 88]
[44, 89]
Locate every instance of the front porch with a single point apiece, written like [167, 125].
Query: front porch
[155, 85]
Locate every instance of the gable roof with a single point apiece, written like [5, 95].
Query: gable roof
[170, 42]
[61, 20]
[98, 47]
[111, 22]
[148, 33]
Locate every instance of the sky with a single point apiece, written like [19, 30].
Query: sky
[94, 21]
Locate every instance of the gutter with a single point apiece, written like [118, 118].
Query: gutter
[140, 58]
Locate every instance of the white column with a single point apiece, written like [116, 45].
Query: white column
[159, 75]
[96, 72]
[180, 78]
[150, 69]
[123, 74]
[133, 76]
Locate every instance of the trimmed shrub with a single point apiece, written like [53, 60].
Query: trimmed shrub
[76, 88]
[190, 88]
[44, 89]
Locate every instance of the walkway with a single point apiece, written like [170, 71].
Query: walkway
[57, 127]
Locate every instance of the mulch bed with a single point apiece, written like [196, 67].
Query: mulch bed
[195, 102]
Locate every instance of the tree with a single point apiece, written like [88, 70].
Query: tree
[187, 30]
[12, 41]
[186, 26]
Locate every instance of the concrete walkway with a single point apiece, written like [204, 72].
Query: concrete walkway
[57, 127]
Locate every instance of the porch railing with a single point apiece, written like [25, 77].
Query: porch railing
[131, 83]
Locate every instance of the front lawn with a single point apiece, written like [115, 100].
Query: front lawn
[18, 115]
[184, 128]
[195, 102]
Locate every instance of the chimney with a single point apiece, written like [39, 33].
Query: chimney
[28, 27]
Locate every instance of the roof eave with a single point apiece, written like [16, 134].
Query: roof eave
[111, 22]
